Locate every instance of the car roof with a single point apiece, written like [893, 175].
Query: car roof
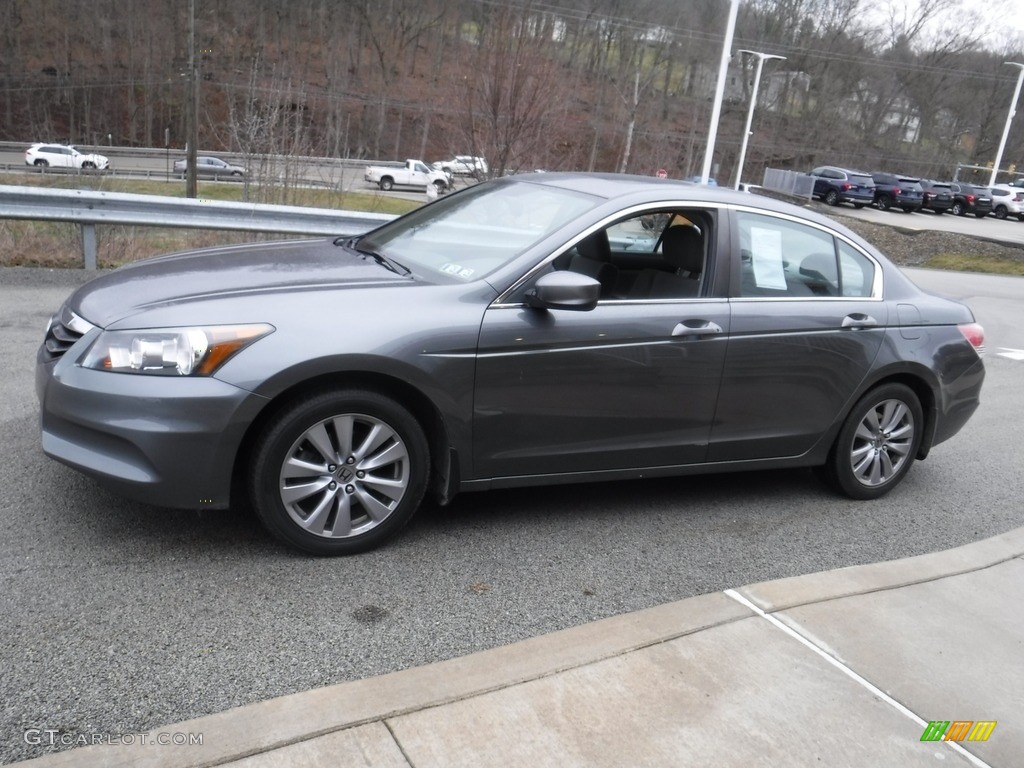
[631, 189]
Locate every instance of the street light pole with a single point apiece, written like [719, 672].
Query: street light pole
[750, 112]
[1009, 119]
[716, 109]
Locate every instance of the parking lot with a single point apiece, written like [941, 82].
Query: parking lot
[119, 617]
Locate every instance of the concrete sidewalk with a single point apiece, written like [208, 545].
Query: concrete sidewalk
[843, 668]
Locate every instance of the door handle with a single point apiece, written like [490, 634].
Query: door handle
[859, 320]
[696, 328]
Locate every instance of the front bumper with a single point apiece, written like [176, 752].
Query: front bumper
[166, 441]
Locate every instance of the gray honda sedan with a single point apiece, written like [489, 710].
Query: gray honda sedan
[535, 329]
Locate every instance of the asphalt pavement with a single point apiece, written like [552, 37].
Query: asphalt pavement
[119, 618]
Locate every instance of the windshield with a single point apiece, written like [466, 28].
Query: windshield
[469, 235]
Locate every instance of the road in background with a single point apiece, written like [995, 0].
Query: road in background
[118, 617]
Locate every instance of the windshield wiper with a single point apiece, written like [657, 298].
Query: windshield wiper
[388, 263]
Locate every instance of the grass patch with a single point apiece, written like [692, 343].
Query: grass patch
[959, 262]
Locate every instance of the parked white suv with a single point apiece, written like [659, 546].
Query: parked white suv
[61, 156]
[1007, 200]
[462, 165]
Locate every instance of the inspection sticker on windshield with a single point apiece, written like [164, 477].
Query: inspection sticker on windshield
[454, 269]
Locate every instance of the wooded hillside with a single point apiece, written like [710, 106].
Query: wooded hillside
[564, 84]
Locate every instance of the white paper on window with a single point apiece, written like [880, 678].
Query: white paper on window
[766, 255]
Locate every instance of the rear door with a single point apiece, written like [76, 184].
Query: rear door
[807, 322]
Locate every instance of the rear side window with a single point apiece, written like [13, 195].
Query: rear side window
[786, 259]
[856, 272]
[865, 181]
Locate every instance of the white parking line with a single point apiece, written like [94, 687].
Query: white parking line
[1013, 354]
[875, 690]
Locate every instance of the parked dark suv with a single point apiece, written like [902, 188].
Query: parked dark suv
[841, 185]
[937, 196]
[893, 191]
[970, 199]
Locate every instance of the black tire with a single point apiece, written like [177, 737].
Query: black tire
[359, 464]
[440, 186]
[957, 209]
[40, 163]
[89, 166]
[884, 203]
[832, 197]
[386, 184]
[1000, 212]
[236, 174]
[877, 444]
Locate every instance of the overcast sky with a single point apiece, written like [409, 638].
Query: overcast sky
[1000, 22]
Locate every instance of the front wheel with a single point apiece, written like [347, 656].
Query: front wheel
[339, 472]
[877, 443]
[440, 186]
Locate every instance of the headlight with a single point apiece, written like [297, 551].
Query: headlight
[171, 351]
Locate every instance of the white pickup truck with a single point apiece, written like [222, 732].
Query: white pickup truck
[414, 173]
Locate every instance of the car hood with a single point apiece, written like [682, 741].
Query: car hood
[216, 273]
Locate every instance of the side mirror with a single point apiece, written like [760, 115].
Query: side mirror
[564, 290]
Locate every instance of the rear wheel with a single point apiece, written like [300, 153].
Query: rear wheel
[832, 197]
[386, 183]
[41, 163]
[339, 472]
[877, 443]
[884, 203]
[957, 209]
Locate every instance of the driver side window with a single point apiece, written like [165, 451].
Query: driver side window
[660, 255]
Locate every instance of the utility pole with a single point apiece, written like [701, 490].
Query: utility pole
[192, 107]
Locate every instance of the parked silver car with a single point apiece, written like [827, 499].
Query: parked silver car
[537, 329]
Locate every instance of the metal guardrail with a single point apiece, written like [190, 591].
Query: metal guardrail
[87, 209]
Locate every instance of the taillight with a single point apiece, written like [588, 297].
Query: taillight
[846, 187]
[969, 198]
[975, 334]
